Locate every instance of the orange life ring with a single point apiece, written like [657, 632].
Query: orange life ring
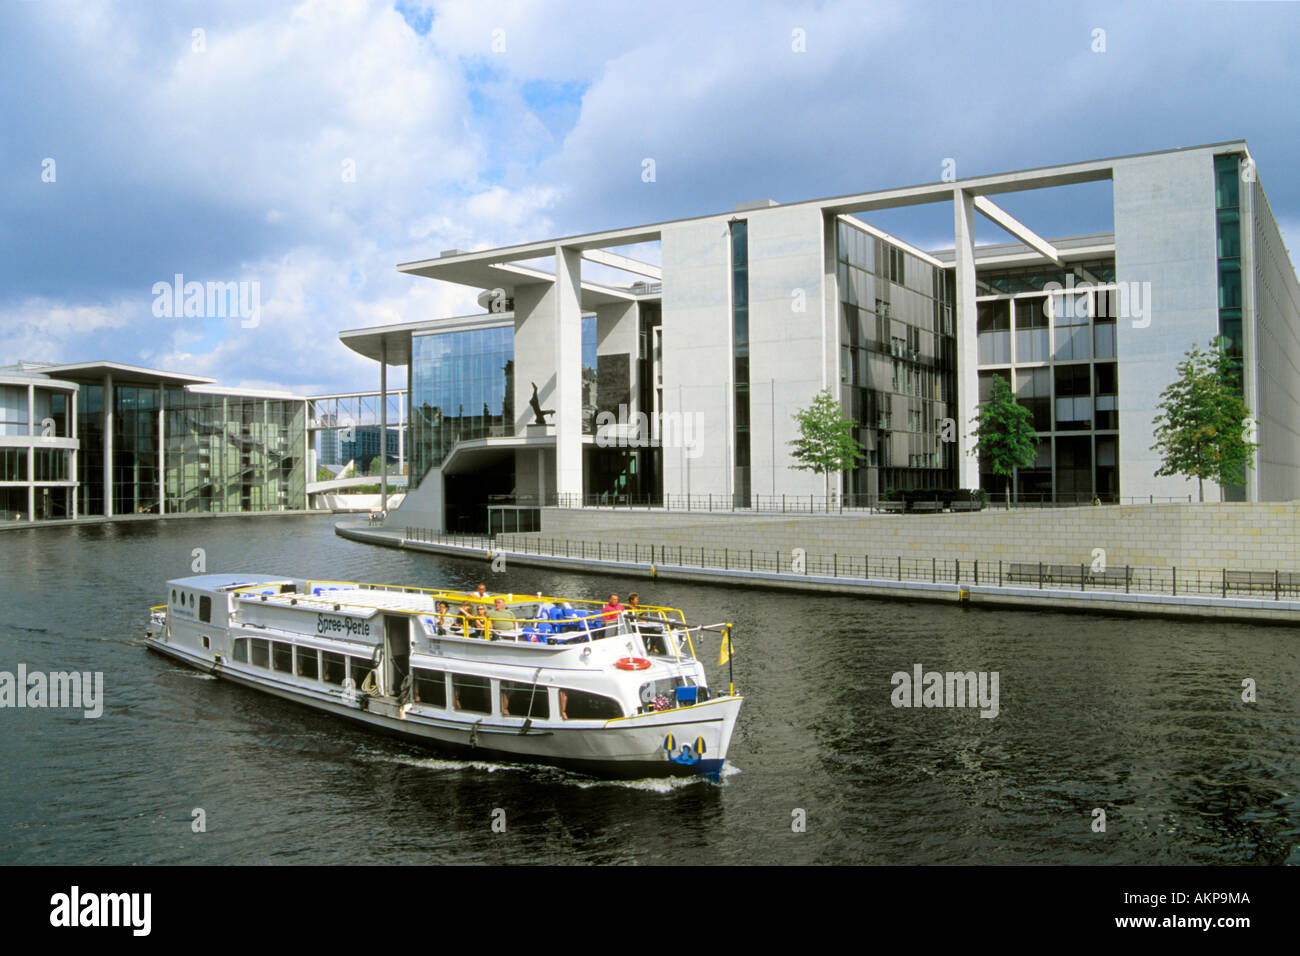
[631, 663]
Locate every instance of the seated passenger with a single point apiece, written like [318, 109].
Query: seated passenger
[441, 622]
[502, 618]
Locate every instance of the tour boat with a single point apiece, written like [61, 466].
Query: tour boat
[527, 678]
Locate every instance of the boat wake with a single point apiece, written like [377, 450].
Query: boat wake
[547, 773]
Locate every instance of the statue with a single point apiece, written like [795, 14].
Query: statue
[538, 412]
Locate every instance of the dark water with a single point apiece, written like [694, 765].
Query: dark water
[1141, 718]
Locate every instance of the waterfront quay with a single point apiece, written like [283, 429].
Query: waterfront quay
[1233, 561]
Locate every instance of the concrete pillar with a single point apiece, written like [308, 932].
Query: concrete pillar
[162, 451]
[31, 453]
[964, 313]
[567, 399]
[76, 450]
[108, 445]
[383, 424]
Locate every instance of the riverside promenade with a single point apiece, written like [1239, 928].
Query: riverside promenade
[1224, 593]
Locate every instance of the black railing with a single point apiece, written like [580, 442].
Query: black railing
[1127, 579]
[909, 502]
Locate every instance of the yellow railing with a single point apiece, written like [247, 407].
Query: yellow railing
[672, 619]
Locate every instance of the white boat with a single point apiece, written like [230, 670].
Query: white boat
[605, 692]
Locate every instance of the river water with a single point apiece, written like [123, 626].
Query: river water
[1142, 719]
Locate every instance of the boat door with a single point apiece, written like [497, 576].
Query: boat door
[397, 653]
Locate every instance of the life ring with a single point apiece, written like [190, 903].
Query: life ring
[632, 663]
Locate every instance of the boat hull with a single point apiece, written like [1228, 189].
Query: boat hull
[623, 748]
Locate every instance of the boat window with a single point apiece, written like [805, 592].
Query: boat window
[660, 694]
[173, 597]
[261, 652]
[430, 687]
[359, 668]
[334, 667]
[472, 693]
[583, 705]
[241, 650]
[307, 664]
[205, 609]
[525, 700]
[282, 656]
[191, 602]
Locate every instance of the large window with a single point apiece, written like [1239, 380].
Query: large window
[1031, 331]
[462, 388]
[1072, 316]
[740, 355]
[994, 323]
[897, 359]
[1073, 398]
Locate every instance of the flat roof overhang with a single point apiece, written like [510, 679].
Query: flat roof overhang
[370, 342]
[93, 373]
[484, 269]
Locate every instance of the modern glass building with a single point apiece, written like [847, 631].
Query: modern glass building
[119, 440]
[38, 446]
[713, 332]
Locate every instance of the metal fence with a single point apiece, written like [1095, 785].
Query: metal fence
[1127, 579]
[837, 504]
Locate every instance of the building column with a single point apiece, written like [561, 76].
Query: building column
[73, 433]
[108, 445]
[162, 451]
[964, 314]
[567, 399]
[31, 453]
[383, 424]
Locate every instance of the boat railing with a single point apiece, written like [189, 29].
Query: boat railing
[569, 621]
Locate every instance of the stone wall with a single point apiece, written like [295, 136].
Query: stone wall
[1246, 536]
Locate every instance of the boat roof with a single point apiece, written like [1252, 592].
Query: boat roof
[226, 582]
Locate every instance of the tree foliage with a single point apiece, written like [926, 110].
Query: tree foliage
[1004, 433]
[825, 443]
[1201, 429]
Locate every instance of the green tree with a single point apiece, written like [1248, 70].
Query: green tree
[825, 443]
[324, 474]
[1004, 434]
[1201, 429]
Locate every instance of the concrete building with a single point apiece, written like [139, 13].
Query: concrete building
[682, 376]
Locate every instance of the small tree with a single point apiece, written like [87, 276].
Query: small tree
[825, 443]
[1200, 431]
[1004, 434]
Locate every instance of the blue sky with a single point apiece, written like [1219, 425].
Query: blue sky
[212, 140]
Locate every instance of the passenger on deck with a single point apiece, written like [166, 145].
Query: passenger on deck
[441, 622]
[482, 594]
[503, 618]
[481, 623]
[610, 614]
[466, 620]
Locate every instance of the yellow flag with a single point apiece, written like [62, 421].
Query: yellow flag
[724, 652]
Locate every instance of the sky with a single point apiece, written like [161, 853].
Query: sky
[304, 149]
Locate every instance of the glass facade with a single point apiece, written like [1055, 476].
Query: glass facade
[589, 375]
[1056, 349]
[234, 453]
[740, 356]
[1227, 203]
[222, 453]
[897, 359]
[462, 388]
